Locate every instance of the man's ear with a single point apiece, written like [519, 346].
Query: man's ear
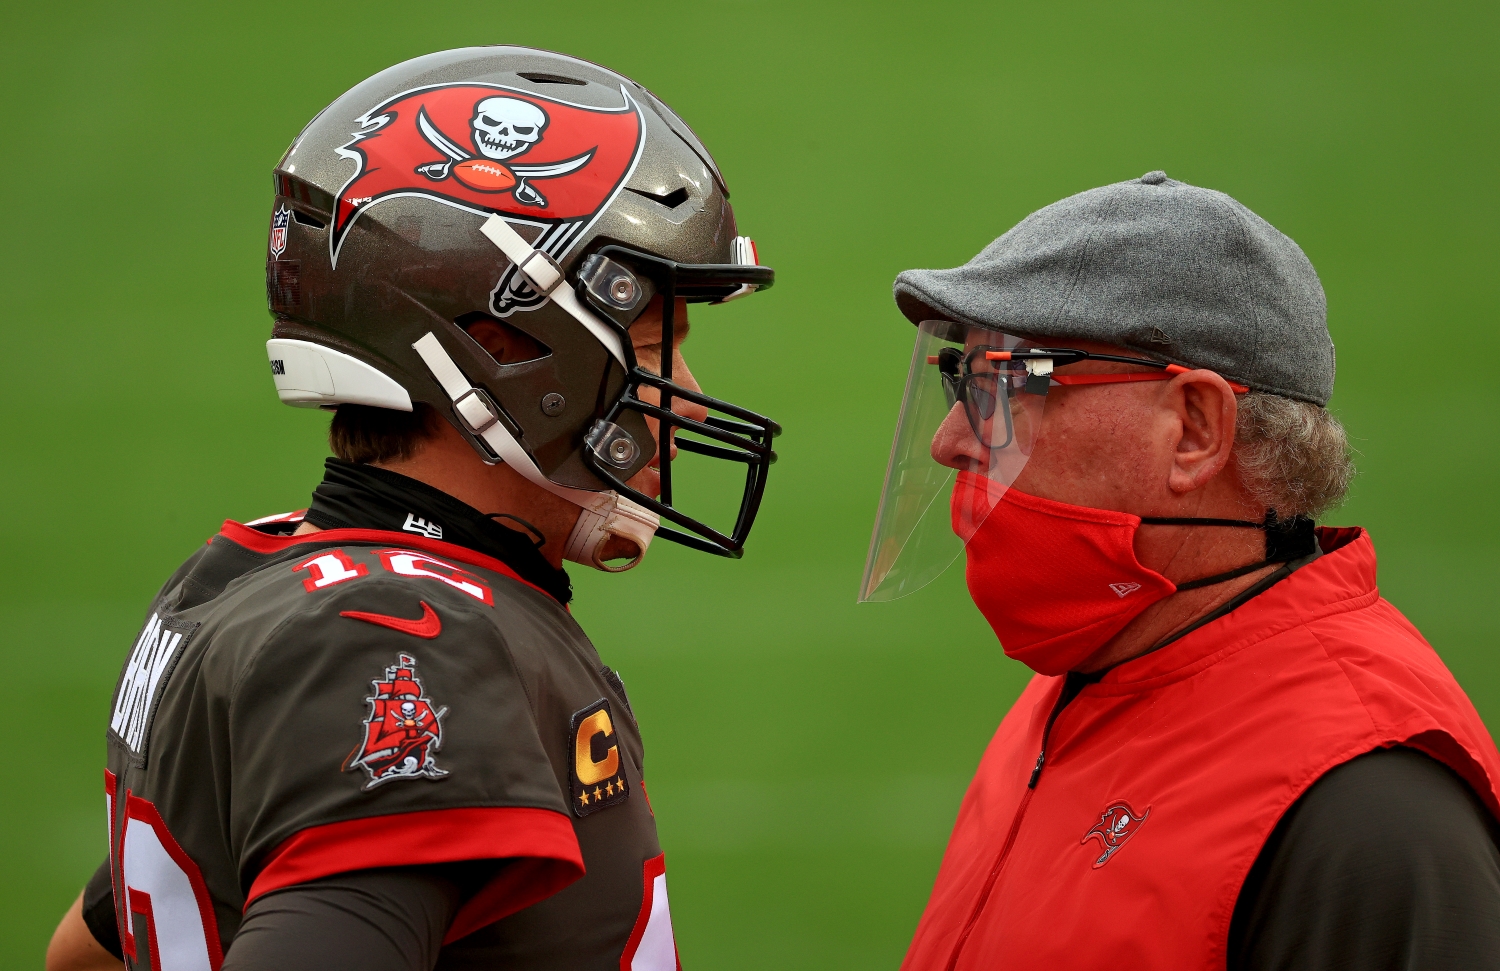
[505, 343]
[1206, 411]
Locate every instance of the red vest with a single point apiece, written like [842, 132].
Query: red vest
[1162, 782]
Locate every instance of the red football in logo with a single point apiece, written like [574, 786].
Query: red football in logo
[482, 175]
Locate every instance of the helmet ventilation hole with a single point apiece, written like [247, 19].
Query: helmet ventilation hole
[671, 200]
[536, 78]
[307, 220]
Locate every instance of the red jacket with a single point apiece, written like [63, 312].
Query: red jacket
[1162, 782]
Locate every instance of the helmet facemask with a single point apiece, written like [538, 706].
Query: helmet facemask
[615, 280]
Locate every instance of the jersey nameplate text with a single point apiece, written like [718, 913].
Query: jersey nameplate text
[146, 673]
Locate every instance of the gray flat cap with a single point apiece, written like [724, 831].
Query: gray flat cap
[1172, 271]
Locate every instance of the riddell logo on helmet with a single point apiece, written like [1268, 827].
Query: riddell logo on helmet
[486, 149]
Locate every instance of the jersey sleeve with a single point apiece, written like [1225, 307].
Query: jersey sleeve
[374, 920]
[383, 728]
[99, 910]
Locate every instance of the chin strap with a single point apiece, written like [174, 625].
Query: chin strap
[603, 514]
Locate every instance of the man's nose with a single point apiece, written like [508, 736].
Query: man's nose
[954, 445]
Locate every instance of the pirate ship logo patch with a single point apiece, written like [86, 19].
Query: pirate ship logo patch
[402, 732]
[486, 148]
[1116, 825]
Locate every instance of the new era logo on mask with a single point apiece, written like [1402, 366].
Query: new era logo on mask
[1124, 589]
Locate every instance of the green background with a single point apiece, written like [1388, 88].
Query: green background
[807, 755]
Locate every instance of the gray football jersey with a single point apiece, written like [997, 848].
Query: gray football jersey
[298, 707]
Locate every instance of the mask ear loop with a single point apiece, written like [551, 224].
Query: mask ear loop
[1286, 540]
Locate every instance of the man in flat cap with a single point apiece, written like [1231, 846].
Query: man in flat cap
[1234, 753]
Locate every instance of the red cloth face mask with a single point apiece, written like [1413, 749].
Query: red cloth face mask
[1055, 581]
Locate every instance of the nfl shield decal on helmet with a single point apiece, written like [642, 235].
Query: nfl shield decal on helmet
[402, 731]
[279, 220]
[487, 149]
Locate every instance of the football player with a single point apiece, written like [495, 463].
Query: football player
[370, 734]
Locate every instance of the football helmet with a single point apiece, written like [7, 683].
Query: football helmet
[551, 196]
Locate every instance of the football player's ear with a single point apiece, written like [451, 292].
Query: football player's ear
[505, 343]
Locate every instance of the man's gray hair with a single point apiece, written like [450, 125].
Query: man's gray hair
[1293, 456]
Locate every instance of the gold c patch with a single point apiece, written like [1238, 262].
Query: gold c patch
[598, 777]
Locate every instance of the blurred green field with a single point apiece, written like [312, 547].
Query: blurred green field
[858, 140]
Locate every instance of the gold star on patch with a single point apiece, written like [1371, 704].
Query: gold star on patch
[609, 788]
[597, 792]
[584, 798]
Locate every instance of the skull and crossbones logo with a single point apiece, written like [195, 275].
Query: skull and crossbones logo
[506, 127]
[501, 129]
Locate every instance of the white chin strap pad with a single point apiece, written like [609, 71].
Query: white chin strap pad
[610, 515]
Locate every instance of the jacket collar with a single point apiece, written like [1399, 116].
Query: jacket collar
[1343, 578]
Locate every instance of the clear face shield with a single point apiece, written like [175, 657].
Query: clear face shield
[971, 417]
[971, 405]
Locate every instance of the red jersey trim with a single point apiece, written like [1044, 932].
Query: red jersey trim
[650, 870]
[549, 857]
[255, 540]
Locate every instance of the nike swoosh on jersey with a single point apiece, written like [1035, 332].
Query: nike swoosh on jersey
[429, 625]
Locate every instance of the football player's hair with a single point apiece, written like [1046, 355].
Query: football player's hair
[361, 434]
[1293, 456]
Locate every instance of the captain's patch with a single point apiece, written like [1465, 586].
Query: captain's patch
[598, 776]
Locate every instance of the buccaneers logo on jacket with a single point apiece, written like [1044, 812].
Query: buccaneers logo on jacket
[1116, 825]
[487, 148]
[402, 730]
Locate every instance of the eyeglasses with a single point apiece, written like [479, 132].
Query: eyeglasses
[980, 377]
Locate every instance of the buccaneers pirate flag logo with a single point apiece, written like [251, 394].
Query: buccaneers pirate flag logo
[402, 730]
[487, 149]
[1117, 823]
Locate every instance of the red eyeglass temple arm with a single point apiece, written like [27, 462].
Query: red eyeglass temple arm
[1170, 371]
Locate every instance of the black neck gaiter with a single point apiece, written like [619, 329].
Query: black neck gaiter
[364, 497]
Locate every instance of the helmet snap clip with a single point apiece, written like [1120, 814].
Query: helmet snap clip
[612, 444]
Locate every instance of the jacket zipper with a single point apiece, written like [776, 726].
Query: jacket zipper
[1069, 692]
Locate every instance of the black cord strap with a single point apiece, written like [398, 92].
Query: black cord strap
[1193, 521]
[1286, 540]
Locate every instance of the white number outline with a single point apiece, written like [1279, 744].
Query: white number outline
[202, 948]
[409, 563]
[328, 568]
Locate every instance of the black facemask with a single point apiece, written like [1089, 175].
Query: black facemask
[364, 497]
